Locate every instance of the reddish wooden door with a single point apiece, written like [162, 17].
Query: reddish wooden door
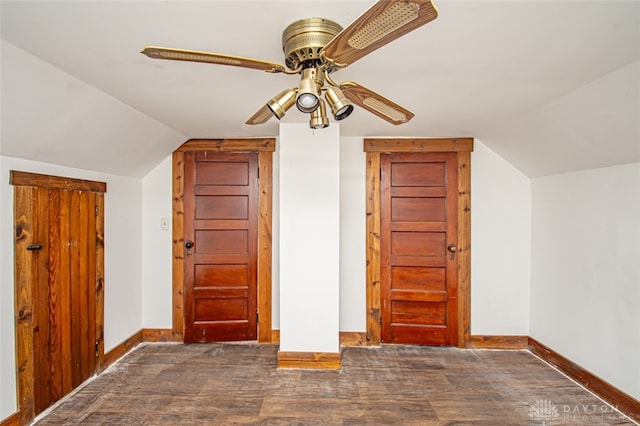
[220, 232]
[59, 285]
[418, 269]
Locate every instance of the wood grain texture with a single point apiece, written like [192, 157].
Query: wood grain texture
[310, 360]
[19, 178]
[221, 219]
[265, 212]
[498, 342]
[347, 338]
[373, 148]
[373, 248]
[229, 145]
[40, 294]
[120, 350]
[419, 145]
[12, 420]
[99, 283]
[160, 335]
[65, 290]
[240, 383]
[413, 246]
[56, 302]
[264, 146]
[464, 247]
[609, 393]
[24, 236]
[353, 338]
[178, 244]
[55, 286]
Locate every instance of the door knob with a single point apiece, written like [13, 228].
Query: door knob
[452, 250]
[188, 245]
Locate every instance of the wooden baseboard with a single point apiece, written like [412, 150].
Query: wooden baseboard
[119, 351]
[12, 420]
[498, 342]
[353, 338]
[609, 393]
[160, 335]
[333, 361]
[347, 338]
[144, 335]
[315, 360]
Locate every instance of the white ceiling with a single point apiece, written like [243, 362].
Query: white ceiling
[479, 66]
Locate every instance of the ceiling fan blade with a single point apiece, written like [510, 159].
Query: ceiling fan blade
[384, 22]
[261, 116]
[375, 103]
[211, 58]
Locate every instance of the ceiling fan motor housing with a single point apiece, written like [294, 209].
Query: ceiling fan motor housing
[303, 40]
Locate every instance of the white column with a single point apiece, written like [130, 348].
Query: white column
[309, 238]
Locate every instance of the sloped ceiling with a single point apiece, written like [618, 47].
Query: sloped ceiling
[519, 75]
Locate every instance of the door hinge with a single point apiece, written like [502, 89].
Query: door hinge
[257, 317]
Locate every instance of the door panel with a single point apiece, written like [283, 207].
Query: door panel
[418, 272]
[221, 194]
[58, 263]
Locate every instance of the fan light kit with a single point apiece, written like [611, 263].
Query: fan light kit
[316, 48]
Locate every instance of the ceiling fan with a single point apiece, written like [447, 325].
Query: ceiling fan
[317, 47]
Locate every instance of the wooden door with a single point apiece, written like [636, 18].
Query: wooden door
[220, 232]
[418, 266]
[59, 294]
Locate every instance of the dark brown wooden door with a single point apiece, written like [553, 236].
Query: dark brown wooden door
[221, 223]
[59, 246]
[418, 266]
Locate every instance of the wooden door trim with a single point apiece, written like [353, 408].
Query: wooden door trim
[265, 148]
[19, 178]
[373, 148]
[24, 181]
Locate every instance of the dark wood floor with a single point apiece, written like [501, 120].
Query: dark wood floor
[170, 384]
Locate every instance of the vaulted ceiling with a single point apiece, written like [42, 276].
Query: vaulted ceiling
[552, 86]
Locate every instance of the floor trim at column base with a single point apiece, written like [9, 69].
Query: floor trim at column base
[314, 360]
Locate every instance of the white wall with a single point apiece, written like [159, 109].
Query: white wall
[138, 275]
[309, 238]
[275, 243]
[157, 290]
[501, 237]
[500, 245]
[353, 259]
[596, 125]
[585, 290]
[51, 116]
[123, 259]
[7, 332]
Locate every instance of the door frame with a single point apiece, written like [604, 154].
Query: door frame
[265, 148]
[24, 234]
[373, 148]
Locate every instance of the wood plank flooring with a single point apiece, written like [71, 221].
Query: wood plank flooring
[227, 383]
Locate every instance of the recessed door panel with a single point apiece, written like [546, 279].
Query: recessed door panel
[418, 268]
[220, 226]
